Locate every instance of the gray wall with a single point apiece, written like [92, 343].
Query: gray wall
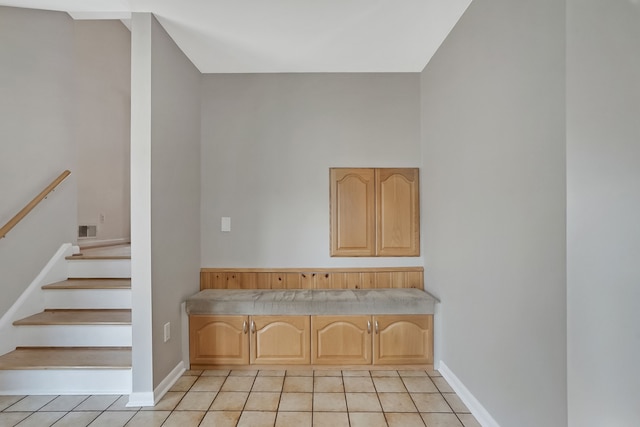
[175, 192]
[268, 141]
[493, 193]
[36, 141]
[103, 126]
[603, 174]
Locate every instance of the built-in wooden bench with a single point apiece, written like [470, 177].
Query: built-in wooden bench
[379, 316]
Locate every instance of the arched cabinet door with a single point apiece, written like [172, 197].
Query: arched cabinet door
[397, 212]
[280, 340]
[403, 339]
[352, 212]
[342, 340]
[218, 340]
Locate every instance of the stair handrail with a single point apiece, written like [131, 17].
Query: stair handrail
[32, 204]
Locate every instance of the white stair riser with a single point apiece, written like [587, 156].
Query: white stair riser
[99, 268]
[75, 335]
[65, 381]
[87, 298]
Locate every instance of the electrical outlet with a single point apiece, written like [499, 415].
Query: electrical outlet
[167, 331]
[102, 218]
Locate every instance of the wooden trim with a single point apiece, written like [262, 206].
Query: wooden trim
[312, 278]
[32, 204]
[314, 367]
[312, 270]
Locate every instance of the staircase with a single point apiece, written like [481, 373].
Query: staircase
[81, 342]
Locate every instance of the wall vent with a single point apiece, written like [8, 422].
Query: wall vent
[87, 231]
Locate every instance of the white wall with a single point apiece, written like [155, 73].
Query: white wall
[141, 292]
[102, 126]
[175, 193]
[603, 174]
[36, 141]
[268, 141]
[493, 123]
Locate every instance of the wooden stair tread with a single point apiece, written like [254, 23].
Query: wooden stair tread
[84, 256]
[78, 317]
[90, 284]
[67, 358]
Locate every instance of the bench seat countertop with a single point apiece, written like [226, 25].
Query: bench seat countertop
[310, 302]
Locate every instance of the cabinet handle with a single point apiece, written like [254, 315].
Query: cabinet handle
[253, 327]
[377, 328]
[368, 326]
[244, 327]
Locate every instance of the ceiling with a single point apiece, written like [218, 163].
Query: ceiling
[277, 36]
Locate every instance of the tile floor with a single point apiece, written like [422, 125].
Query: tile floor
[296, 398]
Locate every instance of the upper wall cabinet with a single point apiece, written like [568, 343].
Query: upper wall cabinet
[375, 212]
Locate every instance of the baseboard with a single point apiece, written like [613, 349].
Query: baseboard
[479, 412]
[152, 398]
[184, 317]
[168, 382]
[140, 399]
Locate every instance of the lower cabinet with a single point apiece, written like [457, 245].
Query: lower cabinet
[321, 340]
[381, 340]
[240, 340]
[219, 340]
[403, 340]
[341, 340]
[279, 340]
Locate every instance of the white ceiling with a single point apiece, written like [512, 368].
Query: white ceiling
[265, 36]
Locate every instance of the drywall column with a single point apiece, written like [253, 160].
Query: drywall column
[603, 231]
[493, 129]
[141, 313]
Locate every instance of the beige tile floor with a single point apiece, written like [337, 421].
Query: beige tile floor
[296, 398]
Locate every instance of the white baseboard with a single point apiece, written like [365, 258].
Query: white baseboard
[479, 412]
[152, 398]
[168, 382]
[141, 399]
[184, 317]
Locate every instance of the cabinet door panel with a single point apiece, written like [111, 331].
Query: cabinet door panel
[398, 212]
[218, 340]
[403, 339]
[280, 339]
[341, 340]
[352, 212]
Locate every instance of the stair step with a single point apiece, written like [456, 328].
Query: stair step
[67, 358]
[106, 252]
[90, 284]
[87, 298]
[94, 268]
[78, 317]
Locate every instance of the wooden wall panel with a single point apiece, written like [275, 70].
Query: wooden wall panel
[324, 278]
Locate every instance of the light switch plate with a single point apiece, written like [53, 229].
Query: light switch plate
[225, 224]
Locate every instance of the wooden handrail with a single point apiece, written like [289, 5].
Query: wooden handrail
[32, 204]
